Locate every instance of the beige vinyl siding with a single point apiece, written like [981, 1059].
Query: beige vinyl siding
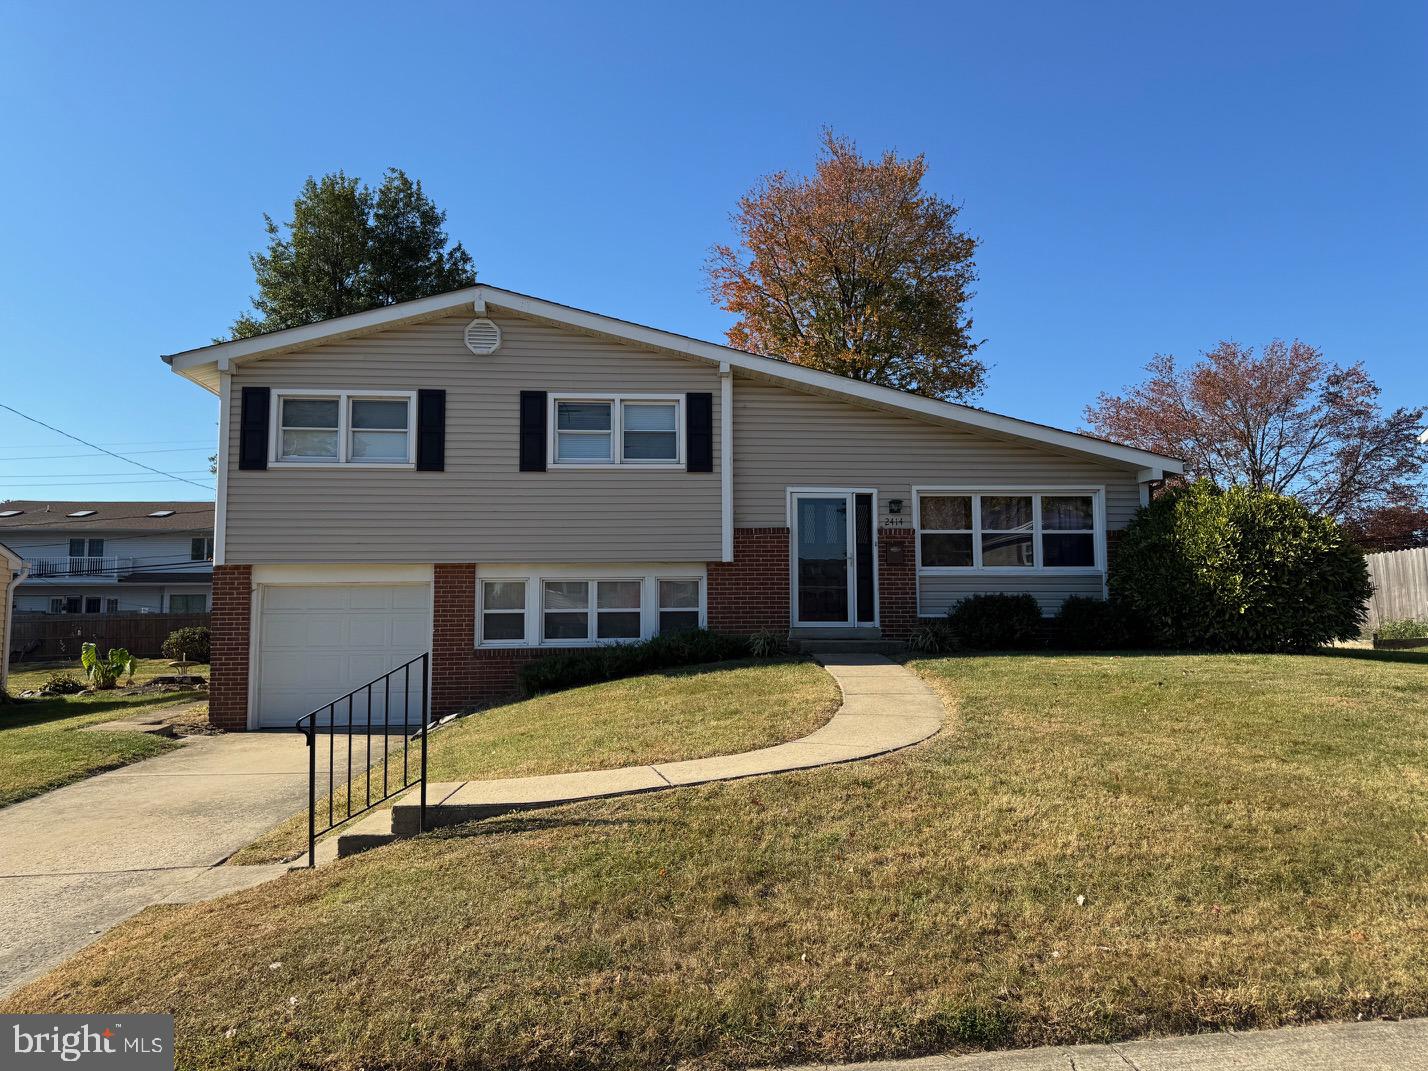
[482, 508]
[785, 438]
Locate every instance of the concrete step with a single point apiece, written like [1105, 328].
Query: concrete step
[891, 648]
[371, 832]
[826, 632]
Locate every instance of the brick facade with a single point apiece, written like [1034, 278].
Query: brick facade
[751, 592]
[230, 625]
[897, 582]
[743, 596]
[461, 675]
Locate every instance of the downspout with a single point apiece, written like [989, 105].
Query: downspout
[15, 578]
[220, 503]
[726, 459]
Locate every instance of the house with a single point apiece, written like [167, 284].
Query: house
[111, 557]
[12, 571]
[491, 477]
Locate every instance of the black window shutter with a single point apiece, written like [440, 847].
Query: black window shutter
[532, 431]
[253, 429]
[699, 431]
[863, 557]
[431, 431]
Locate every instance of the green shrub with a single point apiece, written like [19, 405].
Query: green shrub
[104, 672]
[765, 644]
[933, 637]
[996, 622]
[1405, 629]
[1239, 570]
[1085, 624]
[615, 661]
[191, 643]
[61, 682]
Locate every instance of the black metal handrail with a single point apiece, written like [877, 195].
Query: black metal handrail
[310, 725]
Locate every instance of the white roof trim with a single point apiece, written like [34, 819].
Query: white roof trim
[203, 365]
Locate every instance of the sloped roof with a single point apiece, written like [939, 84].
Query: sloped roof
[38, 514]
[205, 364]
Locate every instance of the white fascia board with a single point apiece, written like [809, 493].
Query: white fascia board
[199, 365]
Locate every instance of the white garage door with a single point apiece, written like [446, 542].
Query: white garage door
[317, 642]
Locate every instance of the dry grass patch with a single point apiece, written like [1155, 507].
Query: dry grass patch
[1105, 847]
[662, 717]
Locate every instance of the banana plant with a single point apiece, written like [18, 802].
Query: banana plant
[105, 672]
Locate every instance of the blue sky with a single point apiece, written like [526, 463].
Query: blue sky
[1142, 177]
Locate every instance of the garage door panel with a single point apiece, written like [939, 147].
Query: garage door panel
[317, 642]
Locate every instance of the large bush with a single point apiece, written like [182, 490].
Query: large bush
[629, 659]
[1239, 570]
[1086, 624]
[191, 643]
[996, 622]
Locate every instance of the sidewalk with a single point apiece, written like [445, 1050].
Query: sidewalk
[1372, 1046]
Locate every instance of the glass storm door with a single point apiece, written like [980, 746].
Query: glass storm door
[823, 559]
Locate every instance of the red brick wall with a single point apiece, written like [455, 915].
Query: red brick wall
[897, 582]
[230, 625]
[462, 676]
[751, 592]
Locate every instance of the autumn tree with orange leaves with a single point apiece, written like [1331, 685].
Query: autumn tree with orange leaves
[856, 270]
[1284, 420]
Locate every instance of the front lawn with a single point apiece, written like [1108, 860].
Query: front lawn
[42, 748]
[663, 717]
[1096, 848]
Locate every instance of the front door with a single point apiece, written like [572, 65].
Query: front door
[823, 592]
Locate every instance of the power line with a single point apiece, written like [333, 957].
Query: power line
[111, 453]
[131, 442]
[64, 457]
[79, 475]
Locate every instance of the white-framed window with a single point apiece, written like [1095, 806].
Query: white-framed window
[200, 549]
[632, 429]
[93, 604]
[344, 428]
[111, 606]
[503, 611]
[591, 610]
[195, 603]
[577, 606]
[1009, 530]
[679, 601]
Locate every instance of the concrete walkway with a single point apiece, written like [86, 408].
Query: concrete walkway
[1373, 1046]
[81, 859]
[885, 707]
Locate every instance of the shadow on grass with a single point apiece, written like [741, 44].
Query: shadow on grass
[527, 822]
[27, 713]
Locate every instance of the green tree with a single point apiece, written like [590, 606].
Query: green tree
[349, 248]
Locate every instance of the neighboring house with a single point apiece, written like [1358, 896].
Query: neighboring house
[12, 571]
[491, 477]
[111, 557]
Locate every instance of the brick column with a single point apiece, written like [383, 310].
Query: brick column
[897, 582]
[751, 592]
[230, 626]
[453, 637]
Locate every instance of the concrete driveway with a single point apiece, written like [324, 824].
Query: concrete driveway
[80, 859]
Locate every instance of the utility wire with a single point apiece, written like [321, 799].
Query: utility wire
[66, 457]
[111, 453]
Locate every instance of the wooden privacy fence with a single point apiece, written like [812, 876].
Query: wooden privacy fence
[38, 637]
[1400, 586]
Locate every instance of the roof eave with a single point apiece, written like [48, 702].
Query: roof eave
[204, 366]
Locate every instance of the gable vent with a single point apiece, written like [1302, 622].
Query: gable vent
[482, 336]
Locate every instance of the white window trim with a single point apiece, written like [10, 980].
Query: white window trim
[525, 613]
[617, 431]
[344, 427]
[534, 577]
[1098, 496]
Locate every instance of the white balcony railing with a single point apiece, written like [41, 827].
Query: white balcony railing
[64, 568]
